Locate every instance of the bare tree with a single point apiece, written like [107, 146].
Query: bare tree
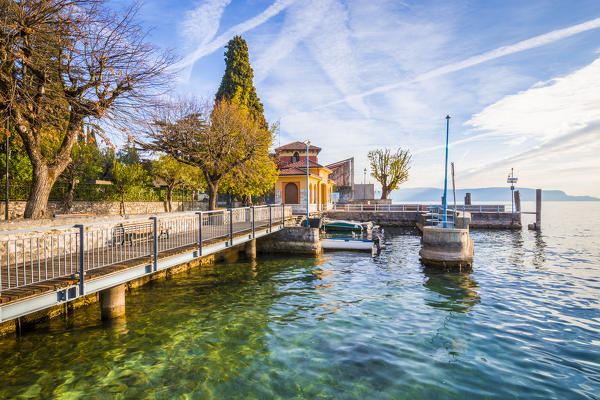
[215, 138]
[65, 62]
[390, 169]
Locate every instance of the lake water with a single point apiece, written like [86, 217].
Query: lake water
[524, 324]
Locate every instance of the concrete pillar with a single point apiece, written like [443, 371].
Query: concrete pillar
[250, 249]
[112, 302]
[467, 199]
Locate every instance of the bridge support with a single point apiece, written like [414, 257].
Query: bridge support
[250, 249]
[112, 302]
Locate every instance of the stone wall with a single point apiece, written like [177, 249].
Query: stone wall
[17, 208]
[298, 240]
[495, 220]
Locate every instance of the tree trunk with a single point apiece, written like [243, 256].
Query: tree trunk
[169, 198]
[122, 205]
[384, 192]
[43, 180]
[68, 201]
[213, 189]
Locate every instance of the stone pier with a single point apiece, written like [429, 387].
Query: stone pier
[297, 240]
[447, 248]
[250, 249]
[112, 302]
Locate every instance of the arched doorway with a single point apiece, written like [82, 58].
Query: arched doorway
[291, 194]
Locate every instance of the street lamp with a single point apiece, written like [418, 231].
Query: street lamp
[364, 184]
[307, 143]
[446, 172]
[512, 180]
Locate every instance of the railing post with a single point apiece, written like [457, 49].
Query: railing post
[154, 243]
[270, 218]
[81, 249]
[282, 216]
[480, 208]
[361, 206]
[231, 226]
[199, 233]
[253, 234]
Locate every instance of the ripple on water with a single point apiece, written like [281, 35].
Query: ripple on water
[524, 324]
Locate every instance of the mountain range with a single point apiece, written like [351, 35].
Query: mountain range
[482, 194]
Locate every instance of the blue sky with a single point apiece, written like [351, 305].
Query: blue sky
[521, 80]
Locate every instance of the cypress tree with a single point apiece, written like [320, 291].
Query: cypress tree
[236, 84]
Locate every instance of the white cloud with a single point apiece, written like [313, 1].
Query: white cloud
[218, 42]
[528, 44]
[555, 108]
[201, 24]
[301, 19]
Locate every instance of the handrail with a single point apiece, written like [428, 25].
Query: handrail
[36, 255]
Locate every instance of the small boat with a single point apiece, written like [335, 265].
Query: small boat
[346, 244]
[342, 226]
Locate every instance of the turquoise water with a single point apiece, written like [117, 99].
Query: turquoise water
[524, 324]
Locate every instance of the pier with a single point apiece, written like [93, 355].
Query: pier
[482, 216]
[42, 269]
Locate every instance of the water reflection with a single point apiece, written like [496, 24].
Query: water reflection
[539, 250]
[457, 290]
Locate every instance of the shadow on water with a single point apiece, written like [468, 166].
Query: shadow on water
[457, 290]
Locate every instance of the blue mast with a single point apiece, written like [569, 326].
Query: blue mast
[446, 173]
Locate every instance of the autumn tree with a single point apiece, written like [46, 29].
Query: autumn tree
[173, 174]
[251, 179]
[389, 169]
[64, 62]
[127, 177]
[215, 138]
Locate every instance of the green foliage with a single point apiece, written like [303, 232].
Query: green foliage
[19, 166]
[236, 84]
[389, 169]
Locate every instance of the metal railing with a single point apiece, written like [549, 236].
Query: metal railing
[489, 208]
[32, 256]
[435, 218]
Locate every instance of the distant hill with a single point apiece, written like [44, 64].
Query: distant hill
[482, 194]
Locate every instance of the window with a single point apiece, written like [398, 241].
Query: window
[295, 157]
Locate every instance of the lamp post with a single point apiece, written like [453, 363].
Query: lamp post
[512, 180]
[446, 173]
[364, 184]
[307, 143]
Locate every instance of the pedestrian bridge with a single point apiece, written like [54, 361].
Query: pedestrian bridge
[42, 268]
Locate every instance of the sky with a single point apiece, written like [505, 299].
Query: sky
[520, 80]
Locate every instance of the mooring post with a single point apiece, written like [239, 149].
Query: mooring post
[199, 233]
[231, 226]
[467, 199]
[517, 201]
[81, 243]
[538, 209]
[154, 243]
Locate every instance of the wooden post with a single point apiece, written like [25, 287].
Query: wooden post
[537, 225]
[538, 209]
[467, 199]
[517, 201]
